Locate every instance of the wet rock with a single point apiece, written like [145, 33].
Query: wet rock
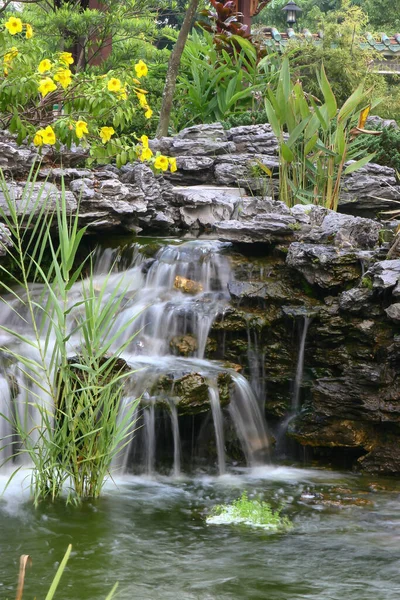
[384, 274]
[188, 286]
[356, 300]
[393, 312]
[325, 266]
[261, 291]
[191, 391]
[183, 345]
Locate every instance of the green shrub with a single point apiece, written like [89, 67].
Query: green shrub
[385, 146]
[249, 512]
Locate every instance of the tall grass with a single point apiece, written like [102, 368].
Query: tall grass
[64, 351]
[315, 139]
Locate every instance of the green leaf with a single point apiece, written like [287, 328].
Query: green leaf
[297, 131]
[358, 164]
[351, 103]
[286, 153]
[272, 118]
[60, 571]
[329, 96]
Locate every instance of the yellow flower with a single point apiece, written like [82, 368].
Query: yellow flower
[38, 139]
[161, 163]
[81, 128]
[14, 25]
[148, 113]
[141, 69]
[46, 86]
[142, 100]
[29, 31]
[114, 85]
[172, 165]
[146, 154]
[145, 141]
[64, 77]
[48, 136]
[66, 58]
[106, 133]
[122, 94]
[10, 54]
[44, 65]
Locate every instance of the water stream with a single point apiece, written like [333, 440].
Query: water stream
[151, 537]
[170, 299]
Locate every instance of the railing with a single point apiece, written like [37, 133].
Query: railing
[386, 66]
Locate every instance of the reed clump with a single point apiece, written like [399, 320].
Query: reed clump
[64, 348]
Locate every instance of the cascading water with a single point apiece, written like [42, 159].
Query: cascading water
[174, 296]
[298, 380]
[300, 365]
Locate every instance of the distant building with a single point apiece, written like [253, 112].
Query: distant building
[387, 46]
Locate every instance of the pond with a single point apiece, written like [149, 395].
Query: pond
[151, 536]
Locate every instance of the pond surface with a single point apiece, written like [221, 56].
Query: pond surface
[151, 536]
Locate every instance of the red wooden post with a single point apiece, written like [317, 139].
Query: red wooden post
[243, 7]
[96, 55]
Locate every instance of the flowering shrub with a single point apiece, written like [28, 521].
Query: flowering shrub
[43, 101]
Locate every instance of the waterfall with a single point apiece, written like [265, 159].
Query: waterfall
[249, 422]
[218, 428]
[177, 441]
[149, 416]
[300, 366]
[168, 300]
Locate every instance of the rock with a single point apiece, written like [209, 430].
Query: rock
[344, 231]
[381, 123]
[257, 139]
[384, 274]
[325, 266]
[183, 345]
[188, 286]
[192, 170]
[243, 170]
[203, 206]
[356, 300]
[191, 391]
[16, 159]
[29, 198]
[393, 312]
[370, 191]
[59, 174]
[260, 291]
[213, 131]
[203, 147]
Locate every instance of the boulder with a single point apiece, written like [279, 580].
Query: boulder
[203, 206]
[325, 266]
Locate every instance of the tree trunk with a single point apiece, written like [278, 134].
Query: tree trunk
[173, 68]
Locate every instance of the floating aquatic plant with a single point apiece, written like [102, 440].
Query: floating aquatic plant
[256, 513]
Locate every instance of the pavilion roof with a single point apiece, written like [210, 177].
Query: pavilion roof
[387, 44]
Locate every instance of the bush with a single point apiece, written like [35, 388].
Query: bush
[256, 513]
[385, 146]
